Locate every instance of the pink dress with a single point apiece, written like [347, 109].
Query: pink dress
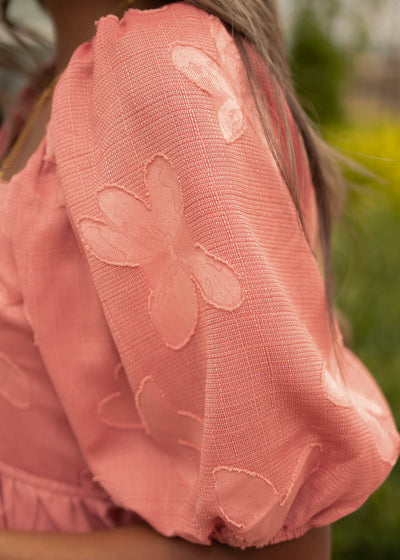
[164, 346]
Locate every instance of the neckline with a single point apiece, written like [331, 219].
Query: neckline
[85, 44]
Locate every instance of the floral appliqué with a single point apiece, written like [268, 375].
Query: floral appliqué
[249, 503]
[351, 395]
[224, 80]
[177, 432]
[158, 240]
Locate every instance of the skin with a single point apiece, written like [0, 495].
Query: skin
[71, 30]
[140, 541]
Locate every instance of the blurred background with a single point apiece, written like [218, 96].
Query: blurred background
[345, 58]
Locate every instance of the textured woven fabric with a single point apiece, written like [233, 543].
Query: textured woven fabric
[164, 344]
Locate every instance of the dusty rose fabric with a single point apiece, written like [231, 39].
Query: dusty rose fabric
[164, 345]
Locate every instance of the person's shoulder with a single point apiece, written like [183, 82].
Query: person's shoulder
[167, 54]
[146, 45]
[141, 33]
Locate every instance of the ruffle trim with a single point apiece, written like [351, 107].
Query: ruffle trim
[32, 503]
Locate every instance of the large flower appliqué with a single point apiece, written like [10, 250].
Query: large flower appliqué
[158, 240]
[232, 98]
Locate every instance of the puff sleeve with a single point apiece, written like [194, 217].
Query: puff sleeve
[206, 396]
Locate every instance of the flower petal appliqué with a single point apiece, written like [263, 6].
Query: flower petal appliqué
[158, 240]
[230, 57]
[233, 100]
[202, 70]
[250, 503]
[175, 322]
[216, 279]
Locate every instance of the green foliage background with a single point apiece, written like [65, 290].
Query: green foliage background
[366, 262]
[319, 66]
[366, 243]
